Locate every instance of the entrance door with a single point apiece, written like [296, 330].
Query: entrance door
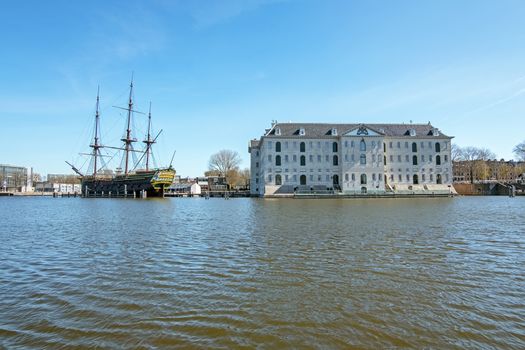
[302, 180]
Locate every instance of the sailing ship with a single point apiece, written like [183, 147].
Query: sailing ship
[131, 181]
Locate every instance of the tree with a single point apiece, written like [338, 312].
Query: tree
[224, 161]
[475, 160]
[519, 151]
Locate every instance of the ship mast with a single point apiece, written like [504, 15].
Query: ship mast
[128, 140]
[96, 146]
[148, 141]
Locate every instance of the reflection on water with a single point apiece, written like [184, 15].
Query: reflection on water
[418, 273]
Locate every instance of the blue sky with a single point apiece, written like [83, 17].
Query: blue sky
[217, 72]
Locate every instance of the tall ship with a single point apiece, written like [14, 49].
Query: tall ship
[134, 178]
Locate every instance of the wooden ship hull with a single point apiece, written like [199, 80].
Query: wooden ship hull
[140, 184]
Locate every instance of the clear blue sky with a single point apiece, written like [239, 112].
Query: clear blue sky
[218, 72]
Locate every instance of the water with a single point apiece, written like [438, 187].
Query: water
[378, 273]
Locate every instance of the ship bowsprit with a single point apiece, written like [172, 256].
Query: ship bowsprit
[140, 184]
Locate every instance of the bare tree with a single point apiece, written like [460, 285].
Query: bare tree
[456, 152]
[475, 159]
[519, 151]
[224, 161]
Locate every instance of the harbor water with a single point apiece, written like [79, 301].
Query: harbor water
[444, 273]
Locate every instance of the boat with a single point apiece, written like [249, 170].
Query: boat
[133, 181]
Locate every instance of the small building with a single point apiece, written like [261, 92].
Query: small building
[195, 189]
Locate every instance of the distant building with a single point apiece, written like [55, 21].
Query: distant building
[350, 159]
[63, 178]
[475, 171]
[13, 178]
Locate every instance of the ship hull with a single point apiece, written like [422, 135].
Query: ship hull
[137, 185]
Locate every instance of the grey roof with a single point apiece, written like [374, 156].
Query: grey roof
[324, 130]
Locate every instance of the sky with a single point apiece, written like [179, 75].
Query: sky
[218, 72]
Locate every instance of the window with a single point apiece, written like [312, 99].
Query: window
[346, 157]
[346, 144]
[408, 178]
[438, 160]
[294, 157]
[302, 147]
[373, 158]
[400, 178]
[346, 177]
[303, 160]
[285, 177]
[269, 178]
[422, 145]
[286, 144]
[414, 160]
[269, 144]
[334, 147]
[362, 145]
[391, 158]
[384, 159]
[352, 144]
[398, 144]
[446, 158]
[327, 158]
[407, 158]
[319, 158]
[373, 144]
[278, 180]
[430, 158]
[363, 179]
[373, 176]
[384, 147]
[311, 145]
[319, 178]
[277, 146]
[269, 157]
[277, 131]
[399, 158]
[362, 159]
[286, 158]
[353, 158]
[431, 177]
[335, 160]
[277, 162]
[311, 178]
[415, 179]
[380, 176]
[392, 177]
[256, 164]
[406, 144]
[311, 158]
[301, 132]
[334, 131]
[422, 158]
[353, 177]
[423, 177]
[414, 147]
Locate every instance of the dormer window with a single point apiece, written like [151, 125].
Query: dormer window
[412, 132]
[334, 131]
[435, 132]
[301, 132]
[278, 131]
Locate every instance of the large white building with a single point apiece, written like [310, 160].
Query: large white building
[350, 159]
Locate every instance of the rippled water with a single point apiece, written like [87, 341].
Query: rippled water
[378, 273]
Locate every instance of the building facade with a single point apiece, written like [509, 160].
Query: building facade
[350, 159]
[13, 178]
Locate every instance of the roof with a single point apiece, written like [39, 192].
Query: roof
[324, 130]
